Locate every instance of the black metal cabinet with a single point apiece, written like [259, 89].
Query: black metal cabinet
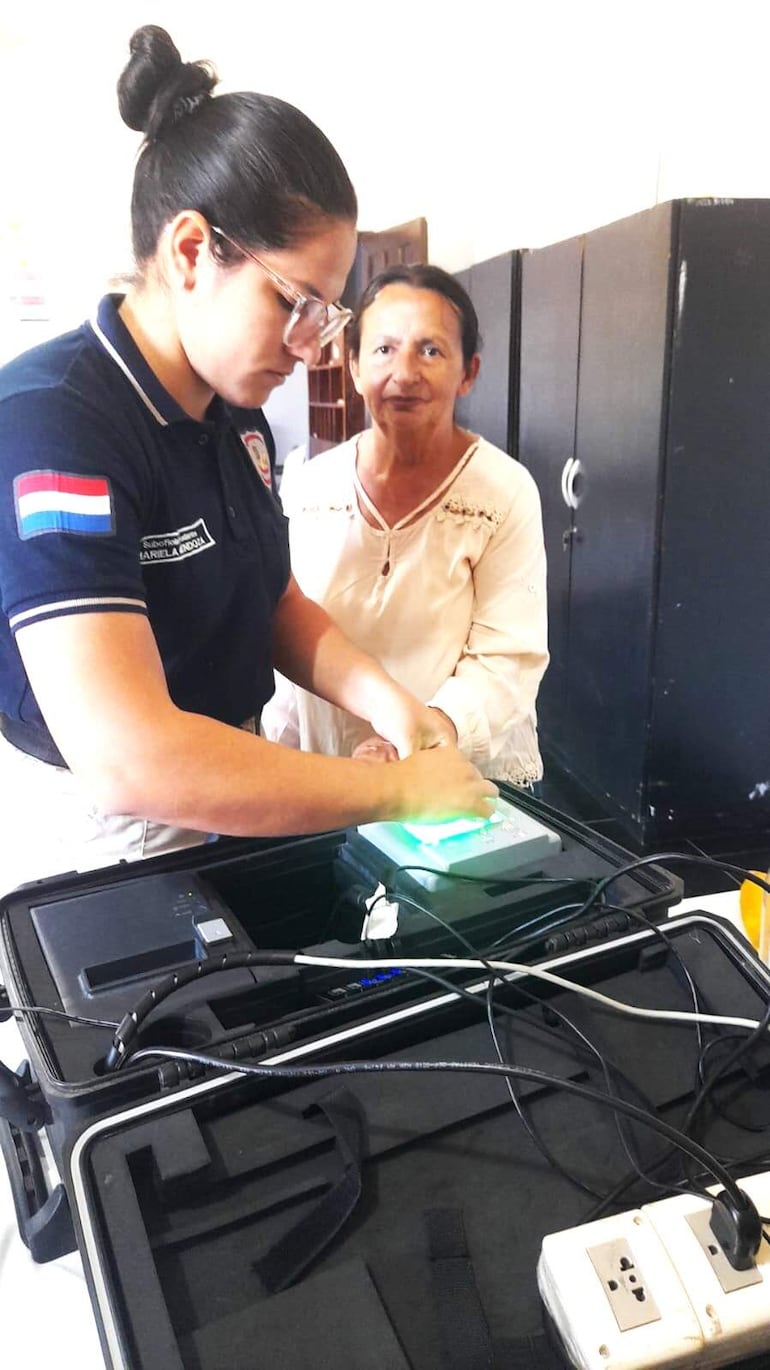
[490, 408]
[550, 314]
[644, 415]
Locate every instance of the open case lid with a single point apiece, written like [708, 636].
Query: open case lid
[265, 1222]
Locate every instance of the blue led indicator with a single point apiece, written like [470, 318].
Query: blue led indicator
[380, 976]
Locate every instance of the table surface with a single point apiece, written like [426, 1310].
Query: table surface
[45, 1310]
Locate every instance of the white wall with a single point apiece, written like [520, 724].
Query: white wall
[287, 414]
[506, 124]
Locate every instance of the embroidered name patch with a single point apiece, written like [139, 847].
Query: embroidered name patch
[184, 542]
[256, 447]
[57, 502]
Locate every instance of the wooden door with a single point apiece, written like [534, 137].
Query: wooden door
[406, 243]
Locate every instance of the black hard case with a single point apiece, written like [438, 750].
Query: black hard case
[264, 1224]
[288, 894]
[231, 1222]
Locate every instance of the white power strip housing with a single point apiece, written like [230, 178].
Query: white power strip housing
[651, 1287]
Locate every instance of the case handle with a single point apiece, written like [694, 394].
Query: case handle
[43, 1218]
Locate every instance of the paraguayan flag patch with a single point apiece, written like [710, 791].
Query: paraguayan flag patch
[59, 502]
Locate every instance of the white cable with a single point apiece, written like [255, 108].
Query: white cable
[517, 969]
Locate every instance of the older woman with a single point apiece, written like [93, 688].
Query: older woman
[423, 541]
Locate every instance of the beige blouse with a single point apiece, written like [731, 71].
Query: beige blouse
[453, 604]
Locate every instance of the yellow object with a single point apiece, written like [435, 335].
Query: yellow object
[755, 914]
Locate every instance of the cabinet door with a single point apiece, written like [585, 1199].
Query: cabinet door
[464, 406]
[548, 372]
[712, 718]
[622, 374]
[488, 409]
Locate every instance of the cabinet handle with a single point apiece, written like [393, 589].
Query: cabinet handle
[572, 497]
[564, 478]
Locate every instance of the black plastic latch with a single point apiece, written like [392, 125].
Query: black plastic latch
[6, 1011]
[21, 1103]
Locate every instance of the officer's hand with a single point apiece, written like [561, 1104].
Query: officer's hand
[440, 784]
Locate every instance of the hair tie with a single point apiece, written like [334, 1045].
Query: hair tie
[187, 104]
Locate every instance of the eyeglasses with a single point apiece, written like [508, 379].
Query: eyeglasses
[311, 320]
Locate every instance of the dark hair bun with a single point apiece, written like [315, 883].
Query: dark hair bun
[157, 88]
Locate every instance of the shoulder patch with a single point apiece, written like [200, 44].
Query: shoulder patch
[59, 502]
[256, 447]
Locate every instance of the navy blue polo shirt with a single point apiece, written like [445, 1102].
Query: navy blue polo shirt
[113, 500]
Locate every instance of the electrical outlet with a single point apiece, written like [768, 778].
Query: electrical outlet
[729, 1278]
[732, 1306]
[590, 1315]
[708, 1313]
[624, 1284]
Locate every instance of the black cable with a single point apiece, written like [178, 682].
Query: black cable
[642, 918]
[513, 882]
[76, 1018]
[671, 949]
[745, 1045]
[450, 987]
[657, 857]
[496, 976]
[543, 917]
[719, 1108]
[659, 931]
[701, 852]
[131, 1021]
[529, 1128]
[695, 1107]
[545, 924]
[728, 1065]
[547, 917]
[129, 1024]
[519, 882]
[540, 1077]
[531, 1132]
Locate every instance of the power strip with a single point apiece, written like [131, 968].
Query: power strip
[652, 1287]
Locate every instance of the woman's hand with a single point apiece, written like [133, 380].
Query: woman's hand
[375, 749]
[437, 731]
[444, 722]
[311, 650]
[408, 725]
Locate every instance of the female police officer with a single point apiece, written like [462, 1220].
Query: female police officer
[143, 559]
